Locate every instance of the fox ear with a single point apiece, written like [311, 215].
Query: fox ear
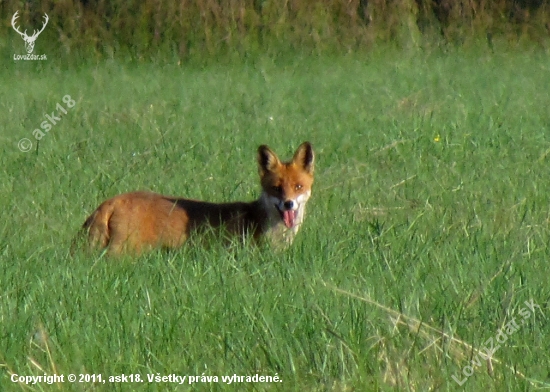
[304, 157]
[267, 160]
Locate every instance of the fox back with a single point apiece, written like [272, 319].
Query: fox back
[138, 221]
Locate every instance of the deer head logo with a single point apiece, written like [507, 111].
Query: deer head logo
[29, 41]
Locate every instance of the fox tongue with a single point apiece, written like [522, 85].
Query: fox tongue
[288, 218]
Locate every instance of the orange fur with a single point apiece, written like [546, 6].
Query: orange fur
[142, 220]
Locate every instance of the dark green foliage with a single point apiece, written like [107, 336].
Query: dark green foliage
[200, 29]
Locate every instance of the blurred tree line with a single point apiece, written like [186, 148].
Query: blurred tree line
[188, 28]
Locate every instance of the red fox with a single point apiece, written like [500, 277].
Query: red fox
[134, 222]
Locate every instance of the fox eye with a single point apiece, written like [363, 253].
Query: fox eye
[298, 187]
[277, 188]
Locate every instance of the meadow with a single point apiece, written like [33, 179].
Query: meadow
[427, 230]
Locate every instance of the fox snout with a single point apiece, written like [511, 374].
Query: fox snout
[289, 205]
[288, 210]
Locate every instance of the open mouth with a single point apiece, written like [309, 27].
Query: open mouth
[288, 217]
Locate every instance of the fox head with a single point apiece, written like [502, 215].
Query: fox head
[287, 185]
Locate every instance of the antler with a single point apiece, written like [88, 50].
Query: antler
[43, 26]
[15, 16]
[35, 33]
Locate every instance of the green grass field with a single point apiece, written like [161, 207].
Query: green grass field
[427, 231]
